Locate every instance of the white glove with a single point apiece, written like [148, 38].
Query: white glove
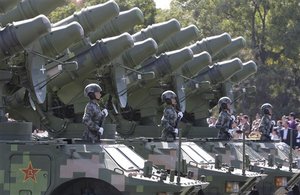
[176, 131]
[105, 112]
[180, 115]
[232, 117]
[101, 130]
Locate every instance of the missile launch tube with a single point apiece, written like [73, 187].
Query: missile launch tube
[27, 9]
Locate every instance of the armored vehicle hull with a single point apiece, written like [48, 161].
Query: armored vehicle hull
[195, 163]
[62, 167]
[232, 154]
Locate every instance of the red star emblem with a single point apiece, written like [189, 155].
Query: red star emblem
[30, 172]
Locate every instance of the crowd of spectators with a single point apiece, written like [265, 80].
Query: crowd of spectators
[285, 129]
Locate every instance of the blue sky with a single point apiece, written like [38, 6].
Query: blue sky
[163, 4]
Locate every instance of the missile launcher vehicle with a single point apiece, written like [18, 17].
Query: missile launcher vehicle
[278, 175]
[43, 74]
[141, 133]
[198, 92]
[197, 164]
[40, 63]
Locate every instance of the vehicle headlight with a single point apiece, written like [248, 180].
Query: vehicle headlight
[280, 181]
[232, 187]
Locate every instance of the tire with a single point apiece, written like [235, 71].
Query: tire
[86, 186]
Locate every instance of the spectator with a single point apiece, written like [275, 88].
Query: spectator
[255, 127]
[256, 120]
[274, 135]
[239, 118]
[235, 132]
[279, 124]
[244, 125]
[211, 121]
[285, 133]
[292, 121]
[297, 137]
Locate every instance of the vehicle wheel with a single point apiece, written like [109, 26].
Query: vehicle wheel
[86, 186]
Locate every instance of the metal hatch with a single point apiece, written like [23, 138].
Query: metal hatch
[253, 155]
[124, 157]
[284, 150]
[196, 153]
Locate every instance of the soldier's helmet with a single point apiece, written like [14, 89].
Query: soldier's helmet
[93, 87]
[266, 106]
[167, 96]
[224, 100]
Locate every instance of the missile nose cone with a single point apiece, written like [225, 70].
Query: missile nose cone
[121, 23]
[198, 62]
[230, 67]
[248, 69]
[92, 17]
[231, 49]
[29, 9]
[29, 30]
[116, 45]
[61, 38]
[158, 32]
[178, 57]
[211, 44]
[139, 52]
[134, 15]
[7, 4]
[179, 39]
[16, 36]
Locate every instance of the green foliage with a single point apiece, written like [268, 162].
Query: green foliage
[178, 13]
[62, 12]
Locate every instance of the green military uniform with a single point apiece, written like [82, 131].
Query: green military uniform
[265, 127]
[224, 120]
[168, 122]
[223, 124]
[92, 118]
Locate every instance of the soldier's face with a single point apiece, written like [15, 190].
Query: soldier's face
[98, 95]
[270, 111]
[173, 101]
[229, 106]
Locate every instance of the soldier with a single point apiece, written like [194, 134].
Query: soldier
[266, 126]
[224, 120]
[170, 118]
[93, 116]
